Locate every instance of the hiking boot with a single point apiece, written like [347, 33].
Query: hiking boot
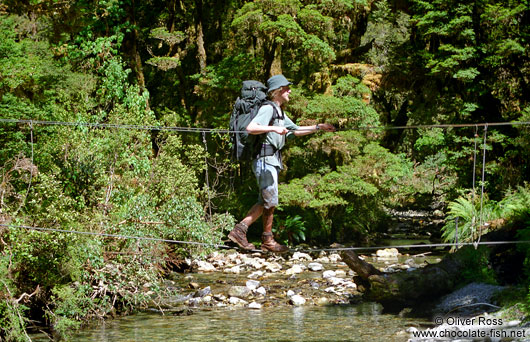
[239, 236]
[270, 245]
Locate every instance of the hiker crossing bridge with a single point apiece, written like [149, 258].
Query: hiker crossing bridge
[33, 123]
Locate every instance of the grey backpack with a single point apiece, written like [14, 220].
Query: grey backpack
[246, 146]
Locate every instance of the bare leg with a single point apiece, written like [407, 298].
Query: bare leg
[253, 214]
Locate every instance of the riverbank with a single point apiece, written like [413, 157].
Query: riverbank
[231, 284]
[262, 280]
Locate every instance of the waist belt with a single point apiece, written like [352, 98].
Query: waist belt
[267, 150]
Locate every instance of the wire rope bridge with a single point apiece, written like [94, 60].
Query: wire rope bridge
[204, 131]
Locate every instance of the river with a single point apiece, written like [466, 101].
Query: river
[360, 322]
[276, 319]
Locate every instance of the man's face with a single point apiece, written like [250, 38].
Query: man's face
[284, 94]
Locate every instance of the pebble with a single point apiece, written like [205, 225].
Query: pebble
[204, 266]
[387, 253]
[315, 267]
[252, 284]
[324, 260]
[301, 256]
[203, 292]
[295, 269]
[237, 301]
[284, 278]
[335, 280]
[219, 297]
[261, 290]
[239, 291]
[340, 273]
[297, 300]
[322, 301]
[256, 274]
[254, 305]
[328, 274]
[334, 257]
[273, 267]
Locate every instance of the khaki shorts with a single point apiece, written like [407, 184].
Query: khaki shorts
[267, 178]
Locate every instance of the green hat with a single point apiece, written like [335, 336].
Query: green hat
[276, 82]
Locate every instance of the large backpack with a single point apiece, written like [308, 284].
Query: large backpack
[246, 146]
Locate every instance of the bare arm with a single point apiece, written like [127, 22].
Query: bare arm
[255, 128]
[304, 130]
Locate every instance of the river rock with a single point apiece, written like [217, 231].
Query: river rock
[219, 297]
[239, 291]
[235, 270]
[466, 297]
[340, 273]
[301, 256]
[323, 259]
[233, 257]
[254, 305]
[255, 263]
[202, 292]
[204, 266]
[252, 284]
[256, 274]
[261, 290]
[295, 269]
[334, 257]
[172, 301]
[322, 301]
[330, 289]
[194, 302]
[315, 266]
[297, 300]
[335, 281]
[328, 274]
[273, 267]
[387, 253]
[237, 301]
[350, 285]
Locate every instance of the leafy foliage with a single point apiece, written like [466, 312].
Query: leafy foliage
[355, 64]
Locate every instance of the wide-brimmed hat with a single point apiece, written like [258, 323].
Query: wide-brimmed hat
[276, 82]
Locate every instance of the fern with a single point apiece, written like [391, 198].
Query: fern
[468, 216]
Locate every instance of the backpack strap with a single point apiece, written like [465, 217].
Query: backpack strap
[275, 113]
[266, 149]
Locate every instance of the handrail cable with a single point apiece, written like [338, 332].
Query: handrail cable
[432, 245]
[215, 130]
[119, 236]
[211, 130]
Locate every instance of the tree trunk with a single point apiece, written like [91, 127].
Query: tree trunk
[269, 56]
[201, 51]
[392, 137]
[395, 290]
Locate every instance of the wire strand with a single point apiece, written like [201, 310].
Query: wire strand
[119, 236]
[216, 130]
[310, 250]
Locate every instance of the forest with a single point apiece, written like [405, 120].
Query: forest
[84, 84]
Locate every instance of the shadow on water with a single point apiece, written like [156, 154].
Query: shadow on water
[361, 322]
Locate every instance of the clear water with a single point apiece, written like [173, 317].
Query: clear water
[276, 321]
[362, 322]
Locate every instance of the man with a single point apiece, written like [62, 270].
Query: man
[267, 164]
